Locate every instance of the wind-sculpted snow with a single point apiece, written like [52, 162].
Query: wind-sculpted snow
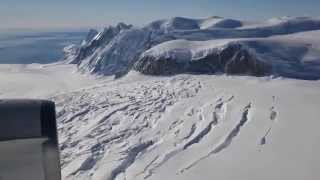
[195, 122]
[180, 127]
[114, 50]
[141, 127]
[132, 154]
[109, 121]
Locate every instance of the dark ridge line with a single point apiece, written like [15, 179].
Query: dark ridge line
[147, 167]
[129, 159]
[77, 115]
[198, 138]
[273, 114]
[264, 138]
[193, 129]
[234, 132]
[150, 172]
[214, 122]
[113, 112]
[166, 158]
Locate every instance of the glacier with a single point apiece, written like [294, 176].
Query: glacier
[184, 99]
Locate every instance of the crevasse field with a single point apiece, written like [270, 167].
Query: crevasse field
[184, 126]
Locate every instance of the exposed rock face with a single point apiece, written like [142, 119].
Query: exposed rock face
[115, 50]
[117, 56]
[95, 40]
[228, 23]
[91, 34]
[179, 23]
[244, 63]
[70, 52]
[153, 66]
[233, 59]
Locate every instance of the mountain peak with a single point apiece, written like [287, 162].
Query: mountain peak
[116, 49]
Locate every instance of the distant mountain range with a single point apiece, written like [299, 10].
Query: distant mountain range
[211, 45]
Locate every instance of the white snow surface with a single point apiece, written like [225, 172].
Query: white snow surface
[191, 127]
[182, 127]
[40, 81]
[116, 53]
[294, 55]
[186, 50]
[182, 47]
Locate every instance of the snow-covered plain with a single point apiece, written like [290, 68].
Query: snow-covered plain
[185, 126]
[191, 127]
[178, 127]
[40, 81]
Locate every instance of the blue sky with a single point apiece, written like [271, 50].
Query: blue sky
[91, 13]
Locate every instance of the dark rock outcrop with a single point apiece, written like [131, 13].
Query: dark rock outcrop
[91, 43]
[115, 50]
[244, 63]
[91, 34]
[228, 23]
[233, 59]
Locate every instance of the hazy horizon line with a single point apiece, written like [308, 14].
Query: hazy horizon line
[80, 28]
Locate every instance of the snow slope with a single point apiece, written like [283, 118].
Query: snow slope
[191, 127]
[296, 55]
[114, 50]
[177, 127]
[40, 81]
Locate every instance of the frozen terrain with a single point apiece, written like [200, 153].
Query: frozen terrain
[195, 122]
[115, 50]
[40, 81]
[177, 127]
[191, 127]
[296, 55]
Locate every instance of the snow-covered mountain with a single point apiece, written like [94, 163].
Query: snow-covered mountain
[176, 113]
[116, 50]
[295, 55]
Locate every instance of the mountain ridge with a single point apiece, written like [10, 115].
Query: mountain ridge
[116, 50]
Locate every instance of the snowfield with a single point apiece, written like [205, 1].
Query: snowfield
[191, 127]
[186, 126]
[40, 81]
[178, 127]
